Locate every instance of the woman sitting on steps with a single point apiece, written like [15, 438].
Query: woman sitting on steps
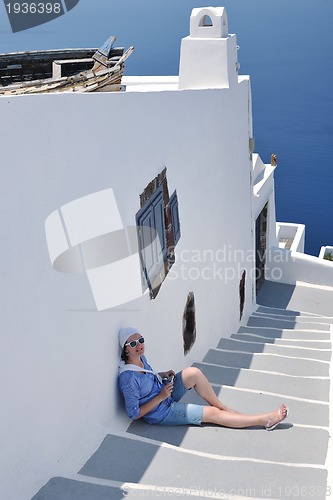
[147, 395]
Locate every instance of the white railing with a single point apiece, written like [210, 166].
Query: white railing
[291, 236]
[287, 266]
[325, 252]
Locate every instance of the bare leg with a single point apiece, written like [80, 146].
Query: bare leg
[220, 414]
[194, 378]
[238, 420]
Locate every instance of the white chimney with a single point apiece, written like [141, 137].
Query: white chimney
[208, 57]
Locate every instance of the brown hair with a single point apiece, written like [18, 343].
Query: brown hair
[124, 355]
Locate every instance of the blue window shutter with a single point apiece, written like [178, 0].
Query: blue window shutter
[150, 222]
[159, 224]
[145, 225]
[175, 216]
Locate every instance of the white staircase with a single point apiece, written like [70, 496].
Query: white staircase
[279, 356]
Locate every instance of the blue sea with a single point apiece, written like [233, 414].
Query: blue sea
[286, 46]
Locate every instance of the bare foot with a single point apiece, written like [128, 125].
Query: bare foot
[276, 417]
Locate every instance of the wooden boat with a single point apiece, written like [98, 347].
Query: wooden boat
[64, 70]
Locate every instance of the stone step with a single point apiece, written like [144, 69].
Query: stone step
[268, 362]
[284, 385]
[249, 401]
[264, 321]
[87, 488]
[294, 342]
[60, 488]
[280, 333]
[137, 461]
[286, 312]
[288, 445]
[284, 350]
[295, 319]
[297, 297]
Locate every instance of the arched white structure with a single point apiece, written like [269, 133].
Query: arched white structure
[209, 54]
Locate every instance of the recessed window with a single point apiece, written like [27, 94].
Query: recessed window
[189, 323]
[206, 21]
[158, 228]
[242, 294]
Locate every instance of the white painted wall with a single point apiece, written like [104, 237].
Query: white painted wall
[58, 354]
[263, 187]
[271, 220]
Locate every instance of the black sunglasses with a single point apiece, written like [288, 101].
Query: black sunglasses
[134, 343]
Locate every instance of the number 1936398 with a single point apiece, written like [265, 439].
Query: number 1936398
[34, 8]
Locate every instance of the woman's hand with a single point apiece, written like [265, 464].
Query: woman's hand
[167, 374]
[166, 391]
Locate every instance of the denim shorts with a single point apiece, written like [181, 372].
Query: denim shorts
[182, 413]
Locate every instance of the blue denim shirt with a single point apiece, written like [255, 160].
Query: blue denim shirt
[139, 388]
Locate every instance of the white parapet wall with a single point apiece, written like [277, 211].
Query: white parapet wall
[286, 266]
[325, 251]
[291, 236]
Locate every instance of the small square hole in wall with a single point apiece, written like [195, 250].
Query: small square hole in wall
[158, 228]
[189, 324]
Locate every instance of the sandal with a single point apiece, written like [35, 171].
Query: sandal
[269, 427]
